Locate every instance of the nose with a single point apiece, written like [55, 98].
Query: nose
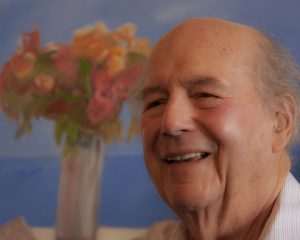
[177, 118]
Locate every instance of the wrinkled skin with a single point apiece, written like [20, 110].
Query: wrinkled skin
[200, 102]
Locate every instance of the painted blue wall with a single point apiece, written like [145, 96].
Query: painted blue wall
[29, 168]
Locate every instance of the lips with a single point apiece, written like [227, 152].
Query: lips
[187, 157]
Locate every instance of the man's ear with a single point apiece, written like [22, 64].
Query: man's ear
[285, 116]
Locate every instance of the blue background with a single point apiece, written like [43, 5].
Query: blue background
[29, 167]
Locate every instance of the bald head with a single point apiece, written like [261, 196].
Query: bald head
[205, 40]
[212, 28]
[218, 37]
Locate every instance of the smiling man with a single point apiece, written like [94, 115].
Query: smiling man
[219, 111]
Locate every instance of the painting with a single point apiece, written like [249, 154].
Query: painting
[30, 166]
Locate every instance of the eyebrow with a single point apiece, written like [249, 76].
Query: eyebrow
[151, 90]
[204, 81]
[201, 81]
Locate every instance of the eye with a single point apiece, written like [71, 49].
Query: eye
[204, 95]
[205, 100]
[154, 104]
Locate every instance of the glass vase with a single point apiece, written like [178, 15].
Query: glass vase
[79, 189]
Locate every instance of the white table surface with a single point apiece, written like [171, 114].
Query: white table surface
[104, 233]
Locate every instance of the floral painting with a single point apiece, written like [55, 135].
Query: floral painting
[58, 48]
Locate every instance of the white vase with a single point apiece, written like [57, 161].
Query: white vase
[79, 189]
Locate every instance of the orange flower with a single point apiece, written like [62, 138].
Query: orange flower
[88, 43]
[126, 32]
[115, 65]
[22, 64]
[142, 45]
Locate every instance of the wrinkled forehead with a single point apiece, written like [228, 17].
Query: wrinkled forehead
[204, 40]
[208, 32]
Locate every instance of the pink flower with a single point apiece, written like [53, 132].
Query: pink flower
[100, 108]
[4, 77]
[65, 63]
[101, 79]
[124, 81]
[30, 41]
[44, 84]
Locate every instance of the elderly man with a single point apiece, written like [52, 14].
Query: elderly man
[219, 111]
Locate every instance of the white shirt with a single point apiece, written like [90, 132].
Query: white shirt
[284, 221]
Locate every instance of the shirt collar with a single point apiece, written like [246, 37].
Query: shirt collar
[276, 225]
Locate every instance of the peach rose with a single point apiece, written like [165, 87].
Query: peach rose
[44, 84]
[22, 64]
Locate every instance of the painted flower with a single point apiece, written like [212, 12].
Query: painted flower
[44, 84]
[90, 43]
[124, 81]
[100, 108]
[65, 64]
[126, 32]
[80, 85]
[101, 79]
[22, 64]
[30, 41]
[5, 75]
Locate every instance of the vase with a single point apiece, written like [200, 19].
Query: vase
[79, 189]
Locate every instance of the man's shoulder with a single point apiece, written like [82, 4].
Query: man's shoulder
[290, 195]
[287, 221]
[289, 202]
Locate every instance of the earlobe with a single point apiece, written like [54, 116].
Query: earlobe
[284, 122]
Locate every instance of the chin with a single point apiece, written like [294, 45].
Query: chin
[189, 198]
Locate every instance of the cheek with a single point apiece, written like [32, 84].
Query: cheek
[150, 129]
[237, 124]
[224, 124]
[243, 135]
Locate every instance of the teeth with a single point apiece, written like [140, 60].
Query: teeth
[187, 156]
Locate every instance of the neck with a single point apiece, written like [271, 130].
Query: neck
[238, 221]
[209, 229]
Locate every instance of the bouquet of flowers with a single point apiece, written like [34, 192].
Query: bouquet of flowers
[81, 86]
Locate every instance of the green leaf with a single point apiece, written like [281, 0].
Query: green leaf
[134, 58]
[84, 68]
[58, 132]
[84, 72]
[72, 132]
[70, 98]
[43, 64]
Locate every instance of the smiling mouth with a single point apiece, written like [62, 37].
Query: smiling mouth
[187, 157]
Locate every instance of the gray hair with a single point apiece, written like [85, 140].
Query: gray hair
[278, 74]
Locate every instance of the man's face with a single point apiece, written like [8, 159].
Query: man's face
[207, 137]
